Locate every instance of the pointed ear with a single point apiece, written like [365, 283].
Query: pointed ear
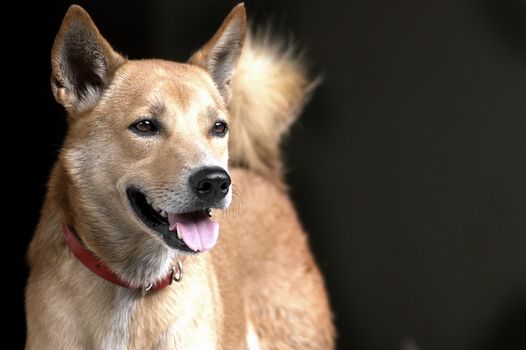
[82, 62]
[220, 54]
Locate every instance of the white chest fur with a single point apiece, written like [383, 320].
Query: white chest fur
[187, 315]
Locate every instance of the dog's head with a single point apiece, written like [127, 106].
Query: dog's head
[146, 151]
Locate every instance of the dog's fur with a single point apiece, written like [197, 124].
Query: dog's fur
[259, 288]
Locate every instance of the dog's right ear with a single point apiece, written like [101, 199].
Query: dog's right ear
[82, 62]
[219, 56]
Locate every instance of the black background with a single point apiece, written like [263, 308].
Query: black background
[408, 167]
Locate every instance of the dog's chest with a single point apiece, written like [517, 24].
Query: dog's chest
[196, 333]
[185, 316]
[195, 324]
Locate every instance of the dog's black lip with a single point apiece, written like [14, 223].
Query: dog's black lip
[153, 220]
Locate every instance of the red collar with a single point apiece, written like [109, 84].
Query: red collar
[96, 265]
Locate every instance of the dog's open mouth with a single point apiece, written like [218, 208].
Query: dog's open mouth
[191, 232]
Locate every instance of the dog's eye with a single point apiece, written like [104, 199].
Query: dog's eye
[219, 129]
[145, 127]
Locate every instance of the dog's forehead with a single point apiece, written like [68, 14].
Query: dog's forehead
[158, 82]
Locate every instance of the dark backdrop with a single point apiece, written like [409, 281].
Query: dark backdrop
[408, 167]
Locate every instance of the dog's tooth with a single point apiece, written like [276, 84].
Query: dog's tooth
[209, 212]
[163, 214]
[178, 234]
[148, 201]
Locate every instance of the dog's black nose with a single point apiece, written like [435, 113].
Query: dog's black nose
[210, 184]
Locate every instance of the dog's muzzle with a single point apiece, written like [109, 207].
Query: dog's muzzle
[189, 228]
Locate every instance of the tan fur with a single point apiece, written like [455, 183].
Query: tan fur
[260, 278]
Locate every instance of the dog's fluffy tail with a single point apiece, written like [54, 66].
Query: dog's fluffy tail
[269, 88]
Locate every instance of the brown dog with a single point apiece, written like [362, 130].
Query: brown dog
[139, 192]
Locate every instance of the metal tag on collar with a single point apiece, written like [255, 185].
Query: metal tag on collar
[177, 276]
[177, 272]
[147, 288]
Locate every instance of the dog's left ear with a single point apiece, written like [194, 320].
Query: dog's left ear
[220, 54]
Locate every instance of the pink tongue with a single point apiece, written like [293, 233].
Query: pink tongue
[197, 231]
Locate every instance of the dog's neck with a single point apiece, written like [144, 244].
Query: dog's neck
[96, 265]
